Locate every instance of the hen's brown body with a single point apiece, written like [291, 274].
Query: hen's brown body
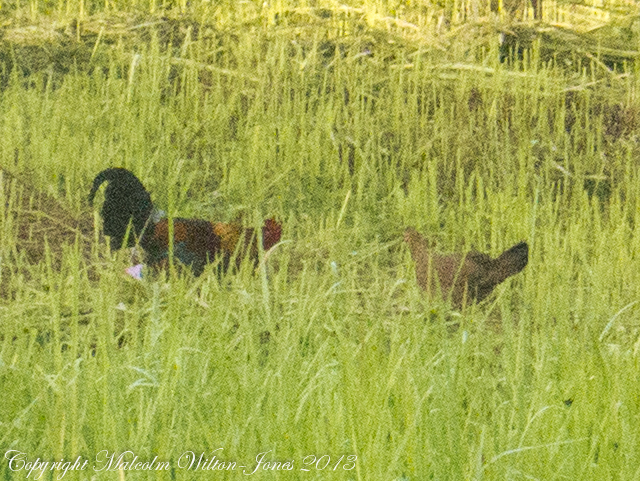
[465, 278]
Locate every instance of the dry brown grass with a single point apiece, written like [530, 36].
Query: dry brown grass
[33, 220]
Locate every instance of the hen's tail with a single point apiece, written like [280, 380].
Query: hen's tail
[125, 200]
[510, 262]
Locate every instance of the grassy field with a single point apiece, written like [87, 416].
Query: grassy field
[348, 126]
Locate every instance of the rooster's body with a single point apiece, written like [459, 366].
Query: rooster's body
[196, 242]
[467, 277]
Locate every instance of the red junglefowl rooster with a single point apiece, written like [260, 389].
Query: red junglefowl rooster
[196, 242]
[466, 278]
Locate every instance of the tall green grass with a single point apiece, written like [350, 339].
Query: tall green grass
[330, 348]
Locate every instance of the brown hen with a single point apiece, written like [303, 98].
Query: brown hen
[464, 278]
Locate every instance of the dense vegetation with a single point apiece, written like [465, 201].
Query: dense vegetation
[348, 123]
